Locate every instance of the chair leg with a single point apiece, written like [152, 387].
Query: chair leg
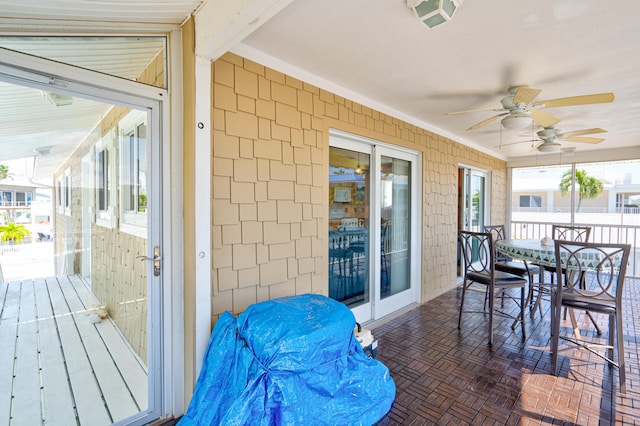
[620, 338]
[522, 305]
[491, 305]
[555, 335]
[593, 321]
[464, 288]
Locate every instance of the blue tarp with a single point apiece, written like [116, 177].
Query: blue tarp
[289, 361]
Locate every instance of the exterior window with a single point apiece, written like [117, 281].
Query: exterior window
[63, 192]
[23, 198]
[103, 180]
[105, 203]
[530, 201]
[133, 173]
[67, 192]
[6, 198]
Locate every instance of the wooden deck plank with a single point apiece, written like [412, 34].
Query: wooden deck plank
[25, 406]
[68, 370]
[89, 404]
[115, 392]
[3, 294]
[8, 333]
[132, 368]
[57, 400]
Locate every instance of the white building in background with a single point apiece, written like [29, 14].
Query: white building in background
[537, 190]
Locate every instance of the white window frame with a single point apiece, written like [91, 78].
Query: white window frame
[106, 215]
[60, 193]
[131, 221]
[63, 192]
[67, 192]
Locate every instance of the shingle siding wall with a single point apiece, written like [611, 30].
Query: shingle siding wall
[270, 185]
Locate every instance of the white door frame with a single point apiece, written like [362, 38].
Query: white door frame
[377, 307]
[165, 320]
[486, 174]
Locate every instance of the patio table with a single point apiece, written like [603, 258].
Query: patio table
[544, 254]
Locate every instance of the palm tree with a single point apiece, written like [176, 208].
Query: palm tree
[589, 186]
[14, 233]
[4, 172]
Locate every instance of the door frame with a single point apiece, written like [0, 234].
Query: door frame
[377, 308]
[487, 191]
[165, 228]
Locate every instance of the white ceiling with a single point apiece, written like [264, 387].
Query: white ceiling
[379, 50]
[376, 52]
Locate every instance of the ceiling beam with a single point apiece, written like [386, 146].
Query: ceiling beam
[221, 24]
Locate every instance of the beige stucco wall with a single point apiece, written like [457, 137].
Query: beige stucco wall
[270, 185]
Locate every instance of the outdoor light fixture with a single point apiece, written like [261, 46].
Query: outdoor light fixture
[434, 12]
[517, 120]
[57, 99]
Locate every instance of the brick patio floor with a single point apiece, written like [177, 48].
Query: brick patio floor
[448, 376]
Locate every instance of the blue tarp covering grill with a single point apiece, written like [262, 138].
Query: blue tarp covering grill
[289, 361]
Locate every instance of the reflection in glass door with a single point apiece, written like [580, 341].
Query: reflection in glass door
[373, 253]
[395, 207]
[473, 204]
[472, 199]
[349, 182]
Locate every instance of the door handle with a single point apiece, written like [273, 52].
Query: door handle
[156, 260]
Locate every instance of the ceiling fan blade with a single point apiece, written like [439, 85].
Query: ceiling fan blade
[474, 110]
[542, 118]
[487, 121]
[599, 98]
[516, 143]
[525, 95]
[581, 139]
[582, 132]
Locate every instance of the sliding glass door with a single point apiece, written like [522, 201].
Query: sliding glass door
[373, 226]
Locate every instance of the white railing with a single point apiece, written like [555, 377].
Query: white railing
[627, 234]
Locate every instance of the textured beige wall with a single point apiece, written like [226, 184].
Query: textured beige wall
[270, 185]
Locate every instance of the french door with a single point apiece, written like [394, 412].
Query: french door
[473, 187]
[374, 230]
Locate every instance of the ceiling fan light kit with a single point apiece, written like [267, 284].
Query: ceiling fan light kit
[518, 120]
[434, 12]
[549, 147]
[519, 109]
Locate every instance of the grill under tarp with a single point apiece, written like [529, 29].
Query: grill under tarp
[293, 360]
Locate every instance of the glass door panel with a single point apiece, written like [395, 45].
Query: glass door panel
[349, 182]
[395, 207]
[77, 280]
[477, 201]
[472, 202]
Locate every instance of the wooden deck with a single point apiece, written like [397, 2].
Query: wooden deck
[57, 367]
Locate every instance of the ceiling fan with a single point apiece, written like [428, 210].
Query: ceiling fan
[550, 138]
[519, 109]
